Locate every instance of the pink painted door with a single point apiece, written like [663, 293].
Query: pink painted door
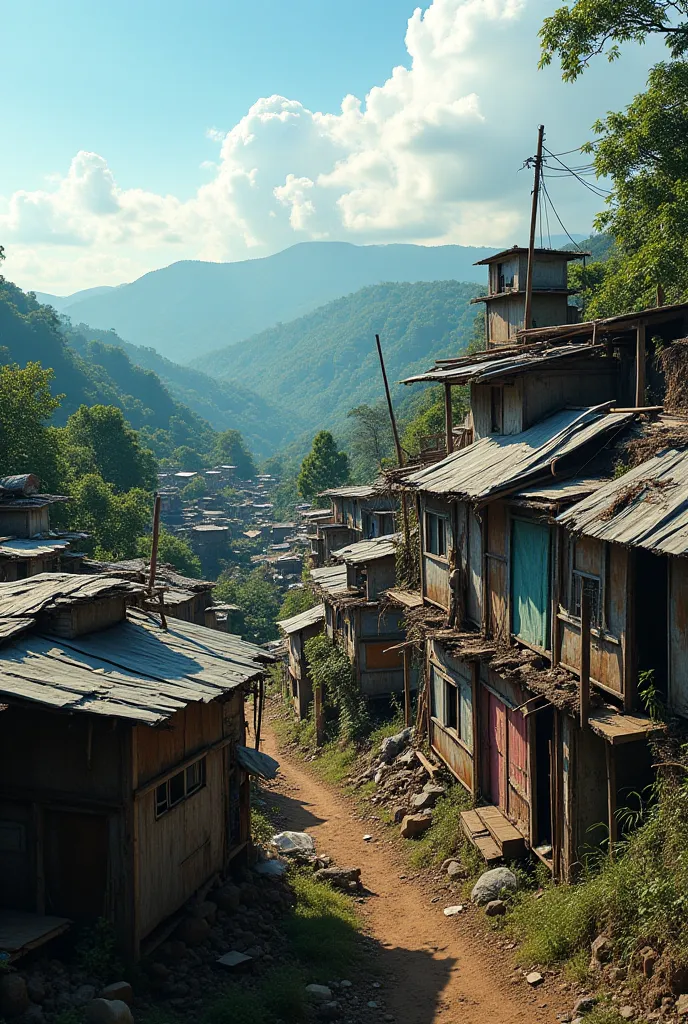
[497, 747]
[519, 807]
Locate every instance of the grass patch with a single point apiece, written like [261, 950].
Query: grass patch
[322, 928]
[603, 1015]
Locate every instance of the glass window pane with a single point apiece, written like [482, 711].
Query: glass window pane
[176, 786]
[161, 802]
[437, 690]
[451, 697]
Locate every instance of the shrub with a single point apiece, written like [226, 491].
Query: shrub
[332, 671]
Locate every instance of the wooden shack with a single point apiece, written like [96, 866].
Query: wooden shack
[122, 788]
[297, 630]
[28, 543]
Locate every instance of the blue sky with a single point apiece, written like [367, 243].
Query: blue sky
[140, 133]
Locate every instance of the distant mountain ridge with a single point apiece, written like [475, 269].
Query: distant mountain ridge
[191, 308]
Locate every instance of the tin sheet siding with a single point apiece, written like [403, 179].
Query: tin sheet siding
[518, 782]
[458, 756]
[678, 633]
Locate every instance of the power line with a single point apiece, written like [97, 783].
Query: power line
[561, 223]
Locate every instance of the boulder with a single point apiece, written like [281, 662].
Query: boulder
[648, 958]
[601, 949]
[534, 978]
[415, 825]
[393, 745]
[456, 870]
[407, 759]
[84, 994]
[227, 898]
[434, 789]
[682, 1005]
[293, 843]
[492, 883]
[422, 802]
[495, 908]
[36, 989]
[121, 990]
[319, 993]
[14, 998]
[193, 931]
[108, 1011]
[584, 1005]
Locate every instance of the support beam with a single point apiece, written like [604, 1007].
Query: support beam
[407, 686]
[448, 419]
[611, 799]
[640, 344]
[319, 715]
[584, 681]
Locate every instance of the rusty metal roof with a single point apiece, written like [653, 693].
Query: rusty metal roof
[135, 670]
[645, 508]
[508, 462]
[488, 367]
[330, 578]
[368, 550]
[303, 620]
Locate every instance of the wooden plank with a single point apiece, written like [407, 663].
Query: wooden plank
[472, 823]
[429, 767]
[506, 836]
[489, 849]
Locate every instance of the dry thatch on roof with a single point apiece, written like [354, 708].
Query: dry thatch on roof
[674, 363]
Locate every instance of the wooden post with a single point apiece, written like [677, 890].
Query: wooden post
[640, 366]
[397, 445]
[154, 546]
[528, 314]
[318, 716]
[584, 683]
[261, 698]
[611, 798]
[407, 686]
[448, 419]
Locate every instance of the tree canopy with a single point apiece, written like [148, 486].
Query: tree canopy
[26, 405]
[172, 550]
[323, 467]
[113, 447]
[370, 441]
[257, 596]
[230, 450]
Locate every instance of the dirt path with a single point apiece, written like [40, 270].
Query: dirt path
[436, 970]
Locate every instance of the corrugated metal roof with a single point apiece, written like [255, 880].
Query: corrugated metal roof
[475, 370]
[645, 508]
[137, 569]
[30, 547]
[134, 670]
[562, 490]
[364, 491]
[49, 589]
[331, 578]
[303, 620]
[501, 462]
[516, 250]
[368, 550]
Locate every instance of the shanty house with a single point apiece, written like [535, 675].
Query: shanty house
[28, 545]
[121, 757]
[355, 615]
[297, 630]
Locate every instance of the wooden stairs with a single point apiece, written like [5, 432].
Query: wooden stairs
[492, 834]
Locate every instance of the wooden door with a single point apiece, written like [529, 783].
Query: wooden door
[496, 728]
[76, 864]
[519, 808]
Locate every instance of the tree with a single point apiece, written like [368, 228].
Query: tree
[258, 597]
[428, 417]
[117, 455]
[300, 599]
[113, 520]
[323, 467]
[230, 450]
[172, 550]
[195, 488]
[26, 404]
[188, 458]
[579, 32]
[642, 149]
[370, 441]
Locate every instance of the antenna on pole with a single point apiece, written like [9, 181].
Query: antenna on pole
[527, 318]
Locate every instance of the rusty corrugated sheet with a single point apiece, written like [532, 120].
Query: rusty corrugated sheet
[498, 463]
[645, 508]
[479, 371]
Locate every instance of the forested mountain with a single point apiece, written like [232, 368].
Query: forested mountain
[223, 404]
[94, 374]
[191, 307]
[326, 363]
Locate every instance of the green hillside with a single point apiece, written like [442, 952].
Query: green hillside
[224, 405]
[94, 373]
[325, 363]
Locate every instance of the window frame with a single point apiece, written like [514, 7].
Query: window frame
[597, 616]
[462, 696]
[441, 531]
[164, 802]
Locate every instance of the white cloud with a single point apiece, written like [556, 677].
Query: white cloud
[430, 156]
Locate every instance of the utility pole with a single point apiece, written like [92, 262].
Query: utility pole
[527, 318]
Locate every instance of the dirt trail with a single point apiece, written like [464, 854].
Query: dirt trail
[436, 970]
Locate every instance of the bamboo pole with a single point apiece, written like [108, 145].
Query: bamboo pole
[154, 546]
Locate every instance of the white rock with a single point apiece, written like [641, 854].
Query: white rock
[534, 978]
[453, 911]
[294, 842]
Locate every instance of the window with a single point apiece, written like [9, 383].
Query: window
[496, 410]
[452, 705]
[180, 786]
[593, 588]
[435, 534]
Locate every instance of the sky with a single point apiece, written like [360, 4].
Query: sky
[142, 132]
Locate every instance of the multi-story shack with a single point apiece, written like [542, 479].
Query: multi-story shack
[355, 616]
[549, 589]
[124, 788]
[297, 630]
[29, 545]
[357, 513]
